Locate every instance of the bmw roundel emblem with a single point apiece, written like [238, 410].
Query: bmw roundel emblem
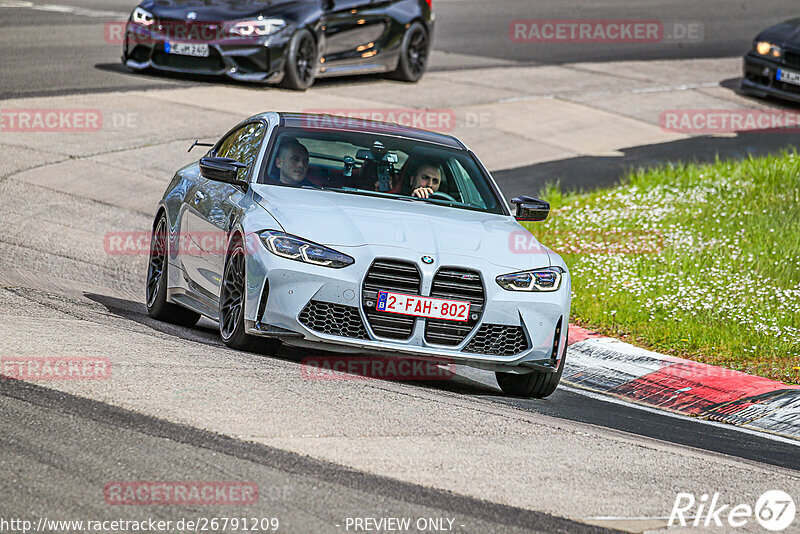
[427, 260]
[191, 15]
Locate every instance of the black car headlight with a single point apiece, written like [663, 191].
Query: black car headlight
[257, 27]
[547, 279]
[765, 48]
[298, 249]
[142, 17]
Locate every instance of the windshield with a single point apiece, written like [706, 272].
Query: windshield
[379, 165]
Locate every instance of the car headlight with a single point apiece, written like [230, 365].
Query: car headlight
[765, 48]
[294, 248]
[246, 28]
[142, 17]
[547, 279]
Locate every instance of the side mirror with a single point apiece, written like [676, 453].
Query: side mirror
[222, 170]
[531, 209]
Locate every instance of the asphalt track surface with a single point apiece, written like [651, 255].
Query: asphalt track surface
[57, 448]
[91, 443]
[47, 52]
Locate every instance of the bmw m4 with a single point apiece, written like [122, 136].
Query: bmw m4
[360, 237]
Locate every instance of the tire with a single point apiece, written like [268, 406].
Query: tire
[537, 384]
[156, 285]
[231, 307]
[301, 62]
[414, 52]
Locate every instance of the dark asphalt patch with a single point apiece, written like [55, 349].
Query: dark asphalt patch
[72, 406]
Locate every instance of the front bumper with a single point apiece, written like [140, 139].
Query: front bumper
[254, 60]
[515, 331]
[759, 78]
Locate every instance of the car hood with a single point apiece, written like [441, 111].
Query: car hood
[220, 10]
[349, 220]
[783, 34]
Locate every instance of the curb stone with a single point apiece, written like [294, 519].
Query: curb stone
[616, 368]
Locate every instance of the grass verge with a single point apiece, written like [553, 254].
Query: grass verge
[697, 261]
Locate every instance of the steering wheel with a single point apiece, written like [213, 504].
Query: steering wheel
[442, 196]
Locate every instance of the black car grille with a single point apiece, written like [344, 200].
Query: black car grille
[333, 319]
[455, 284]
[211, 64]
[788, 87]
[498, 340]
[791, 58]
[188, 31]
[140, 54]
[390, 275]
[251, 64]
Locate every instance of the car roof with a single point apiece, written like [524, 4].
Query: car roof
[355, 124]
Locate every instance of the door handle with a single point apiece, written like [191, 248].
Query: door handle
[199, 196]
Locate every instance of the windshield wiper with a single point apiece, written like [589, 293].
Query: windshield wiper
[365, 192]
[392, 196]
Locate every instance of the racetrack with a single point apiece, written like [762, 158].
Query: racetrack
[181, 406]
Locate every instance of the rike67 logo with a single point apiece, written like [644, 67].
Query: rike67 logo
[774, 510]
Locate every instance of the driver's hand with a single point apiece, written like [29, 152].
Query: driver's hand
[422, 192]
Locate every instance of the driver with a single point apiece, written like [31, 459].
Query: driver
[426, 180]
[292, 162]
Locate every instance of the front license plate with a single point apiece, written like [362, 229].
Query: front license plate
[187, 49]
[433, 308]
[788, 76]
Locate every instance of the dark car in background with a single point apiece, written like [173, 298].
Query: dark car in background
[290, 42]
[772, 65]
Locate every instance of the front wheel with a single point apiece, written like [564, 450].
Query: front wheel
[536, 384]
[156, 288]
[413, 54]
[301, 62]
[231, 307]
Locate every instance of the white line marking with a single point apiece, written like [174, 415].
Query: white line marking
[568, 96]
[615, 518]
[615, 400]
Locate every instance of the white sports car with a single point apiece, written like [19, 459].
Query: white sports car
[360, 237]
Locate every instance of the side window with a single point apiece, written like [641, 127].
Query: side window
[469, 193]
[243, 145]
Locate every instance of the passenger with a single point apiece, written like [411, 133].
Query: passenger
[426, 180]
[292, 162]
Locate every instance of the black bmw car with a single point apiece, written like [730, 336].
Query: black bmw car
[772, 66]
[291, 42]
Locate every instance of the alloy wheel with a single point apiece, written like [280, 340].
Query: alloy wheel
[305, 59]
[417, 53]
[158, 257]
[232, 294]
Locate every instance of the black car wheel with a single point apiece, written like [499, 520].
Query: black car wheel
[537, 384]
[231, 307]
[156, 288]
[301, 62]
[413, 54]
